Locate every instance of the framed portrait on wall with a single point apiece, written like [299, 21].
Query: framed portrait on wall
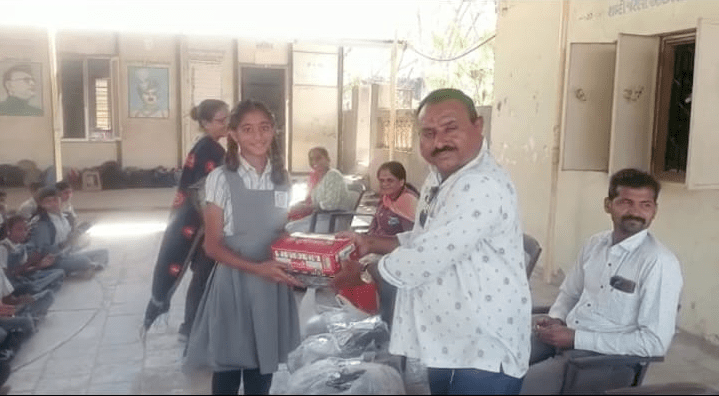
[148, 92]
[21, 91]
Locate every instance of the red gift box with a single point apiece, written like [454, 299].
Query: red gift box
[314, 254]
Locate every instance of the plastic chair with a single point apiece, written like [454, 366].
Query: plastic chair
[356, 191]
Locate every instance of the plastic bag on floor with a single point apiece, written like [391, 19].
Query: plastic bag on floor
[312, 349]
[315, 318]
[357, 337]
[346, 377]
[366, 339]
[416, 379]
[307, 309]
[280, 381]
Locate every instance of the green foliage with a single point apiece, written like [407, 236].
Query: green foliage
[474, 72]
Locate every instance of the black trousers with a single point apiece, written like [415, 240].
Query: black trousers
[201, 269]
[228, 382]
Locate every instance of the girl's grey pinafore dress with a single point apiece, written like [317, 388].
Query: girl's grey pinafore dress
[244, 321]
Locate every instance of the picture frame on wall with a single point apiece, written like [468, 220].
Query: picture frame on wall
[21, 91]
[148, 92]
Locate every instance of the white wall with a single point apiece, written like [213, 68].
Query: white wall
[527, 79]
[524, 117]
[82, 155]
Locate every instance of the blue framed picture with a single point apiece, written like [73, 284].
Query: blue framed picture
[148, 92]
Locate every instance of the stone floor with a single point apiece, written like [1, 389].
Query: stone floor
[89, 343]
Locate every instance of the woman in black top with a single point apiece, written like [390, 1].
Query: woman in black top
[186, 220]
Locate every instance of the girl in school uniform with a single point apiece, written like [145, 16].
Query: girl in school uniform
[247, 321]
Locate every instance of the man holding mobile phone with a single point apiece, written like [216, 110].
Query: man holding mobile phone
[622, 296]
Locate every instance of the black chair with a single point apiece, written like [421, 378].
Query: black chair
[356, 191]
[532, 250]
[676, 388]
[601, 373]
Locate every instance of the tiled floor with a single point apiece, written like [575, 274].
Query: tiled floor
[89, 342]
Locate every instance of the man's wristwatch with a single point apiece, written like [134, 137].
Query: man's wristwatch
[365, 275]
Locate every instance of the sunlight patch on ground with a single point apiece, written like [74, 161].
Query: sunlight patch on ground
[125, 229]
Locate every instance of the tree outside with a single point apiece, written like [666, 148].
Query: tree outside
[450, 45]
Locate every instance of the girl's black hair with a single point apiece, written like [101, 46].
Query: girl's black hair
[279, 174]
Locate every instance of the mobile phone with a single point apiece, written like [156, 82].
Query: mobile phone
[622, 284]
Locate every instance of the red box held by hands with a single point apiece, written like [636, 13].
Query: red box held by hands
[314, 254]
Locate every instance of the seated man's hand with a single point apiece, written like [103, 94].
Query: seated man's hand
[556, 334]
[350, 275]
[545, 320]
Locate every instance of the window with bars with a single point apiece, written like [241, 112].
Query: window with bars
[87, 98]
[404, 126]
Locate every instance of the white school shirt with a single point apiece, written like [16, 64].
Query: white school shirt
[610, 321]
[6, 247]
[6, 288]
[463, 298]
[217, 191]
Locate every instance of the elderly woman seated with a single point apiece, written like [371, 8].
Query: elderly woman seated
[395, 214]
[327, 191]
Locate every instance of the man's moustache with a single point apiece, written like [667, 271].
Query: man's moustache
[629, 217]
[438, 151]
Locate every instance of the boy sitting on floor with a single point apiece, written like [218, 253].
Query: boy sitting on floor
[52, 234]
[27, 272]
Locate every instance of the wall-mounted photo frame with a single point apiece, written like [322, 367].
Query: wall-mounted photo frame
[21, 91]
[148, 91]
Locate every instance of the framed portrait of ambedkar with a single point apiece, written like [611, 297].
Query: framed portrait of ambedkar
[21, 91]
[148, 91]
